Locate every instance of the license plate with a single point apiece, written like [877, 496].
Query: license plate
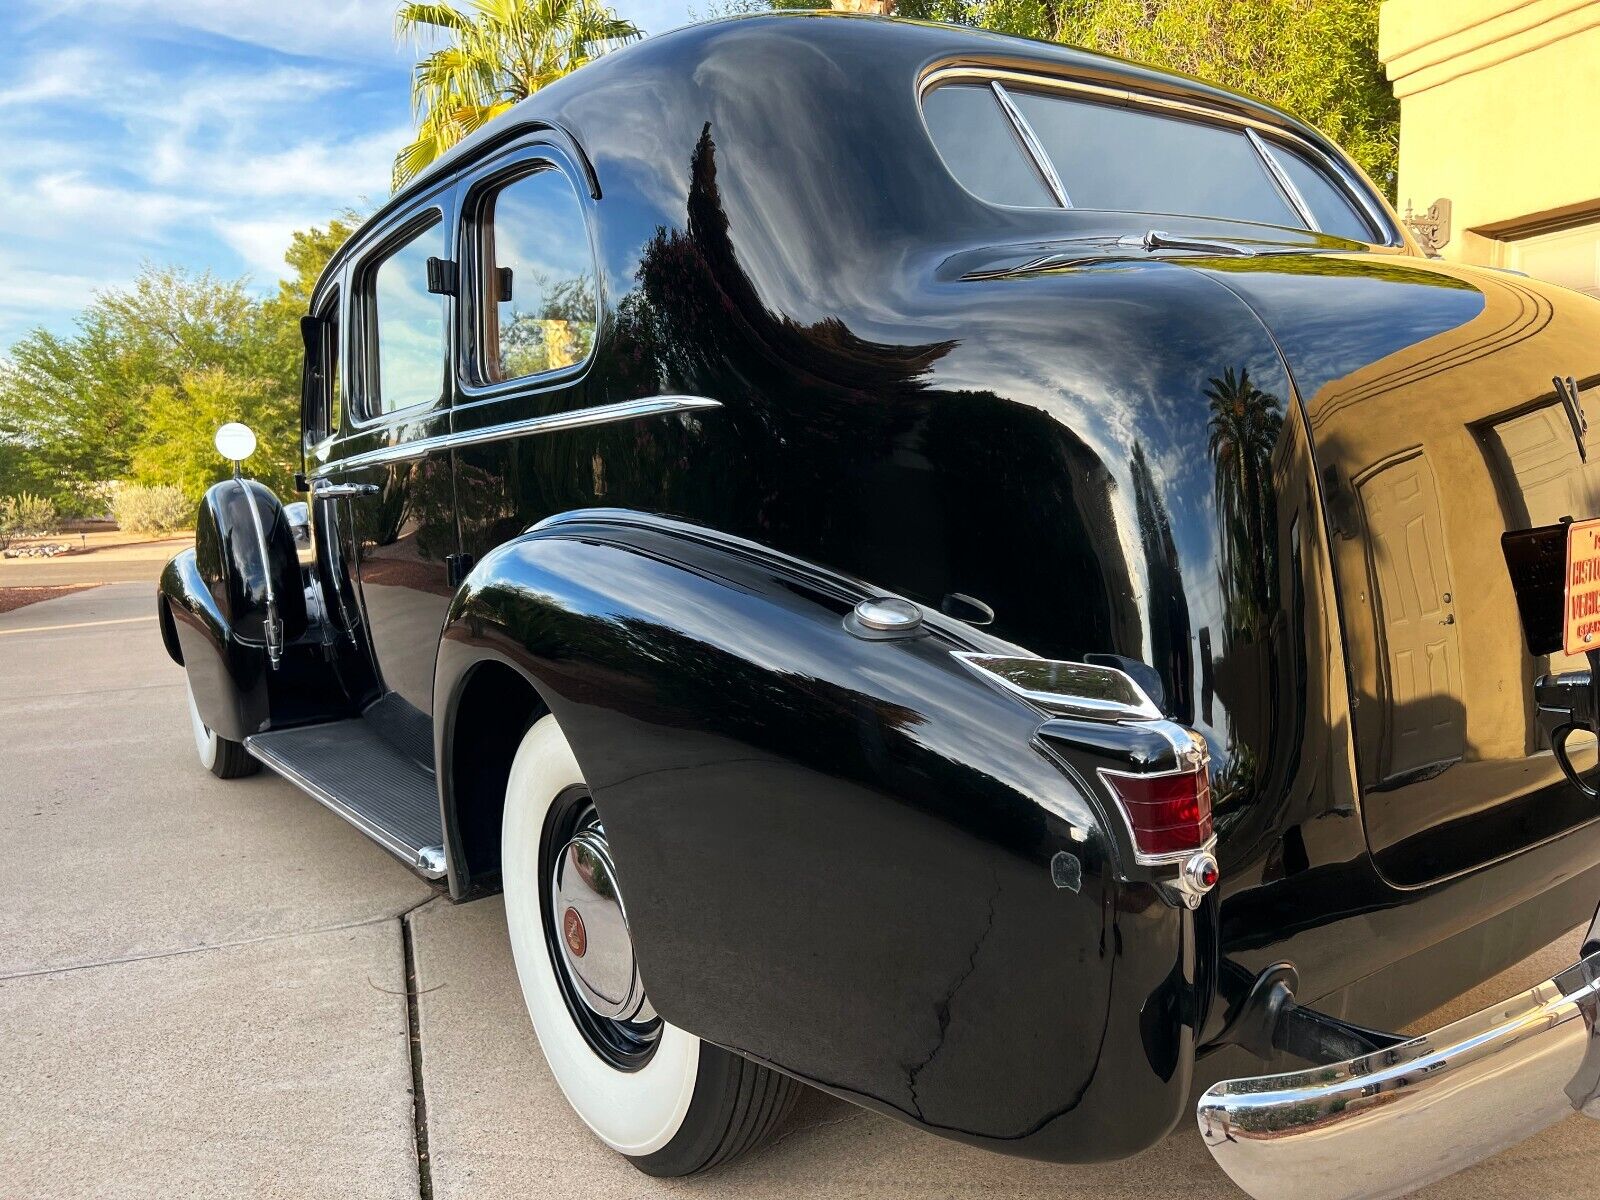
[1581, 601]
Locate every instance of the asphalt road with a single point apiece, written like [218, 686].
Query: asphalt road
[202, 993]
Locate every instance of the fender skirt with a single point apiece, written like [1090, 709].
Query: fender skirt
[837, 852]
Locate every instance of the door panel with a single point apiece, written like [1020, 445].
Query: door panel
[396, 518]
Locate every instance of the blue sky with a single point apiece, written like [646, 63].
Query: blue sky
[196, 132]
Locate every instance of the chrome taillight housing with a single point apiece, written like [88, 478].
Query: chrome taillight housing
[1153, 775]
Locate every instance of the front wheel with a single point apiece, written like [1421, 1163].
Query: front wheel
[224, 759]
[672, 1104]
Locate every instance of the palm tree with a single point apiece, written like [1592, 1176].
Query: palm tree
[500, 52]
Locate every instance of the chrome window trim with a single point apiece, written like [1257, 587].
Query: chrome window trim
[1031, 144]
[515, 163]
[578, 418]
[1281, 177]
[1127, 97]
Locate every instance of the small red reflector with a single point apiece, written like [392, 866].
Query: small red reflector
[1168, 814]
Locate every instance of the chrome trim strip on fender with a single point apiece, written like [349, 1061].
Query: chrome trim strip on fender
[1389, 1122]
[578, 418]
[1068, 689]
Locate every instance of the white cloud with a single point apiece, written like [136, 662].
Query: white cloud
[353, 171]
[64, 205]
[55, 75]
[32, 295]
[339, 29]
[261, 241]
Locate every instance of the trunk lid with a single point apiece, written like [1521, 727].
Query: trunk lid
[1428, 390]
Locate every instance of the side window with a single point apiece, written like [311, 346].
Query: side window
[1330, 208]
[331, 399]
[404, 323]
[537, 280]
[320, 398]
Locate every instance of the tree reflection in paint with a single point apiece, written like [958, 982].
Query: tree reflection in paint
[1244, 427]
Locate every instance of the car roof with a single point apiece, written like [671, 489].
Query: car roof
[898, 47]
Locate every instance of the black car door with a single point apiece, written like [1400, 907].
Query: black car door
[385, 483]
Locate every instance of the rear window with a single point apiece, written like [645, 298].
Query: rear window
[1127, 159]
[981, 147]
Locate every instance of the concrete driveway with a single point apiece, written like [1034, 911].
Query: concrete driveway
[203, 992]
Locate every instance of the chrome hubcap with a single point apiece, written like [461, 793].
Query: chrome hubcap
[591, 928]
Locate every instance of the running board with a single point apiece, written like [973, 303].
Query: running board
[347, 767]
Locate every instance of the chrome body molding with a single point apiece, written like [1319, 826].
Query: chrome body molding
[1389, 1122]
[578, 418]
[1066, 689]
[273, 627]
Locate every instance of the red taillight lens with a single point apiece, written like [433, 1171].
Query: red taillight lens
[1168, 814]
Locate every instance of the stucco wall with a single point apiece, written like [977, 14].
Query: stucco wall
[1500, 112]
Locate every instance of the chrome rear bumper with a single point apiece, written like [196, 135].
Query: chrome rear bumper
[1384, 1124]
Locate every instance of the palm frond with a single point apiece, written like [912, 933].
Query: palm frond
[498, 52]
[410, 17]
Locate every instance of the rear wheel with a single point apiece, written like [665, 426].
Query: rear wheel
[224, 759]
[672, 1104]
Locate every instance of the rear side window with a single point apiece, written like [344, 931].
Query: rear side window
[981, 148]
[1134, 160]
[539, 311]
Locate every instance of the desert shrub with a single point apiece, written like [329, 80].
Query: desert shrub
[26, 515]
[157, 508]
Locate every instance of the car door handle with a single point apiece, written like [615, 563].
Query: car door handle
[338, 491]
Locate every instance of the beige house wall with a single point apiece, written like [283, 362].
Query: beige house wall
[1500, 114]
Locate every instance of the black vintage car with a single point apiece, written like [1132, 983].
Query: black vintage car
[955, 571]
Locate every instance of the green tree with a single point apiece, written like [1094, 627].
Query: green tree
[501, 52]
[72, 407]
[1317, 59]
[181, 419]
[139, 387]
[309, 252]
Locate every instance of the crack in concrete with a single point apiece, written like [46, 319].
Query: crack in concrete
[233, 945]
[419, 1096]
[942, 1008]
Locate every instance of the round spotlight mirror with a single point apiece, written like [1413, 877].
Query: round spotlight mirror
[235, 442]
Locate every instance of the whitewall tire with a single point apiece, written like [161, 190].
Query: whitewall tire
[224, 759]
[672, 1104]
